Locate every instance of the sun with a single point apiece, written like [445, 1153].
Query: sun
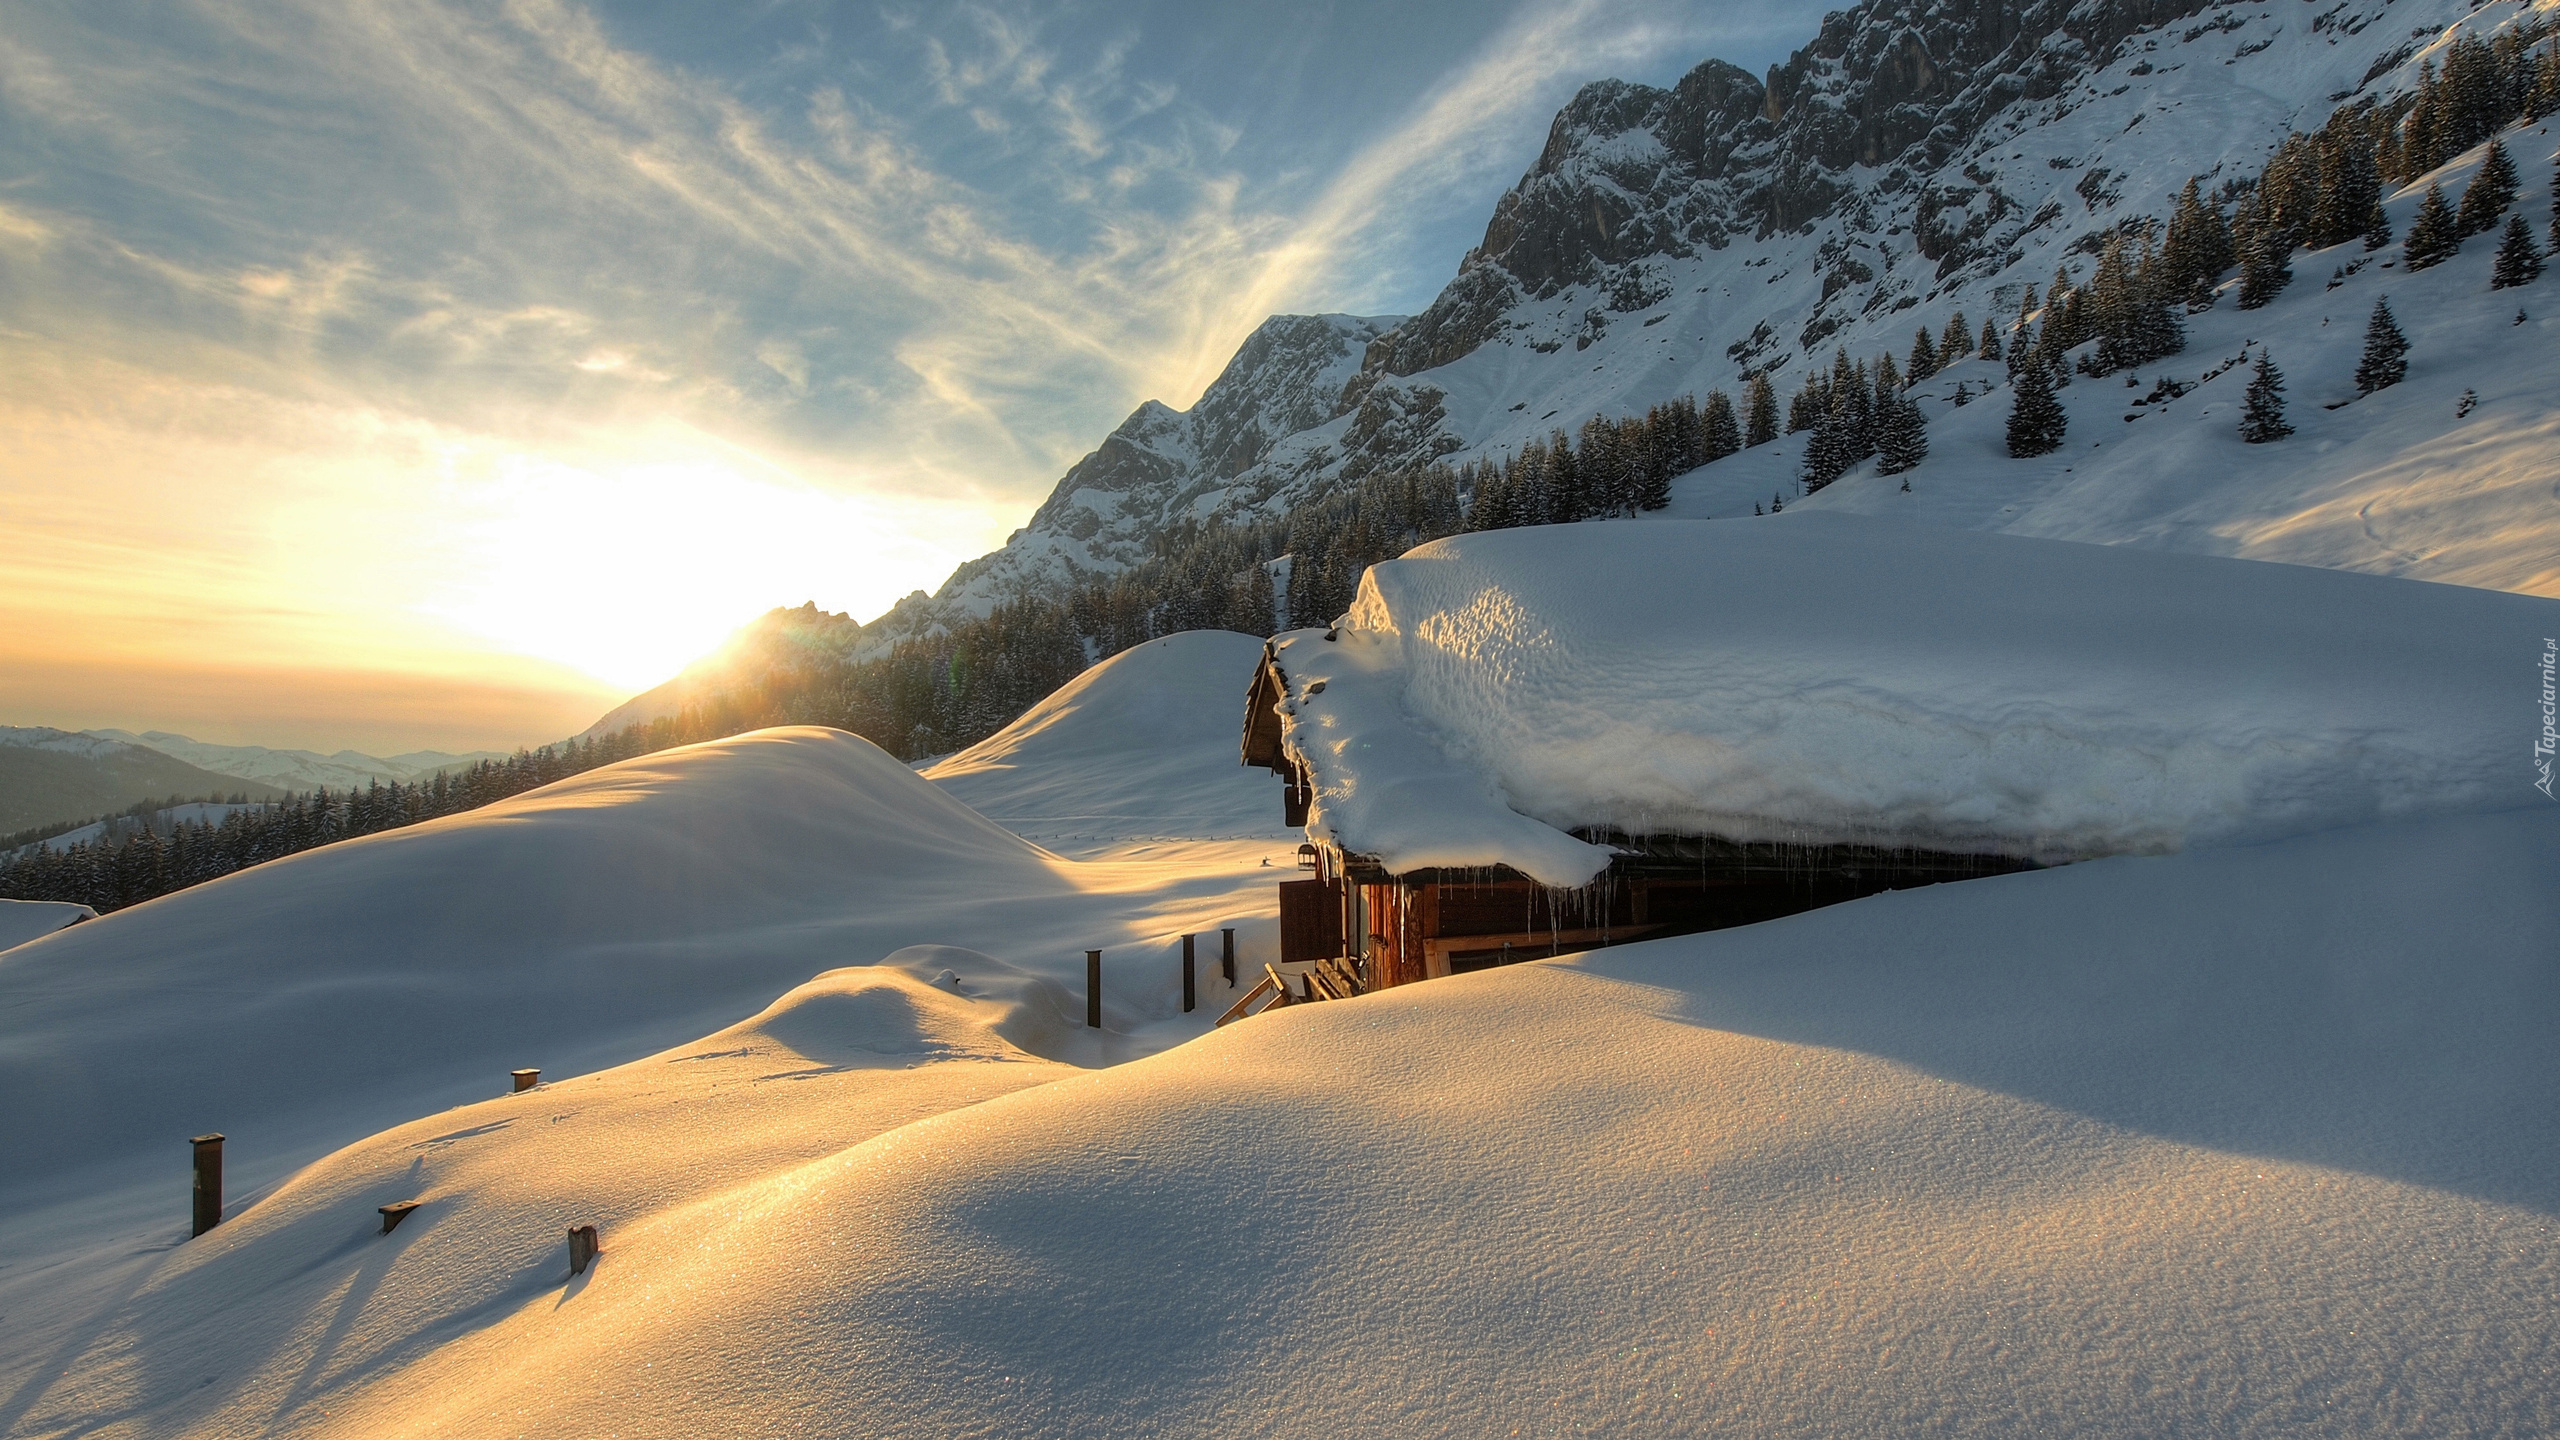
[631, 571]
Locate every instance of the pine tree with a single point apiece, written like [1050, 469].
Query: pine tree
[2378, 233]
[2519, 259]
[1718, 434]
[1924, 355]
[1956, 343]
[1989, 348]
[2262, 414]
[2350, 184]
[1760, 412]
[2198, 248]
[2489, 194]
[2386, 352]
[2265, 267]
[2432, 236]
[1902, 434]
[1805, 410]
[2037, 423]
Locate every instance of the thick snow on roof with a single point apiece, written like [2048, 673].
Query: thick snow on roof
[1141, 746]
[2235, 1142]
[25, 920]
[1825, 677]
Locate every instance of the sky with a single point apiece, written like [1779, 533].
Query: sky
[392, 374]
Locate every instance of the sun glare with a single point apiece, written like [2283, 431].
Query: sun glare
[630, 571]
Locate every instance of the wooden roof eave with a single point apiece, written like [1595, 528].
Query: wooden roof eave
[1262, 747]
[1703, 857]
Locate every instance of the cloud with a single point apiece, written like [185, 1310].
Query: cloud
[323, 257]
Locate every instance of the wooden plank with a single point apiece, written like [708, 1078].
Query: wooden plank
[1344, 978]
[1310, 920]
[1237, 1011]
[1533, 944]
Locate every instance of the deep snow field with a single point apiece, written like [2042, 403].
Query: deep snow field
[2245, 1139]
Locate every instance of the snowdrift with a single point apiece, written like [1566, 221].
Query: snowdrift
[312, 1000]
[1825, 677]
[1140, 746]
[2241, 1141]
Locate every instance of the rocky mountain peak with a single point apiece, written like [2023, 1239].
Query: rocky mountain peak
[1632, 173]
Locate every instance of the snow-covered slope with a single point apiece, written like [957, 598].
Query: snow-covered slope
[163, 820]
[2447, 476]
[1834, 678]
[314, 999]
[1141, 746]
[2250, 1141]
[299, 769]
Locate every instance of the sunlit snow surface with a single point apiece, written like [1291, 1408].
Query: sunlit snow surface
[1142, 747]
[2245, 1139]
[2233, 1142]
[1826, 677]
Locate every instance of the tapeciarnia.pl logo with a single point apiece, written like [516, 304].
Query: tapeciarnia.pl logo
[2549, 738]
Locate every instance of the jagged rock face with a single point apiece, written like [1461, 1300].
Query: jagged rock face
[1161, 464]
[1286, 377]
[1633, 172]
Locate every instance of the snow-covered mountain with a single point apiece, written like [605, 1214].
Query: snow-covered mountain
[1294, 375]
[1914, 162]
[297, 769]
[49, 775]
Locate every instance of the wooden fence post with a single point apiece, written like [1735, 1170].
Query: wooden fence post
[208, 1182]
[1227, 961]
[1190, 996]
[395, 1212]
[582, 1248]
[1093, 989]
[526, 1079]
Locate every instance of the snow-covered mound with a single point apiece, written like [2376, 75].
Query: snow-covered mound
[849, 1054]
[2248, 1141]
[311, 1000]
[1140, 746]
[1823, 677]
[25, 920]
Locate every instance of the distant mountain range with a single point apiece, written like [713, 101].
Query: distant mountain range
[298, 769]
[50, 776]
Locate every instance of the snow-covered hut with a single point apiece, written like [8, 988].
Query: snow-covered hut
[1530, 741]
